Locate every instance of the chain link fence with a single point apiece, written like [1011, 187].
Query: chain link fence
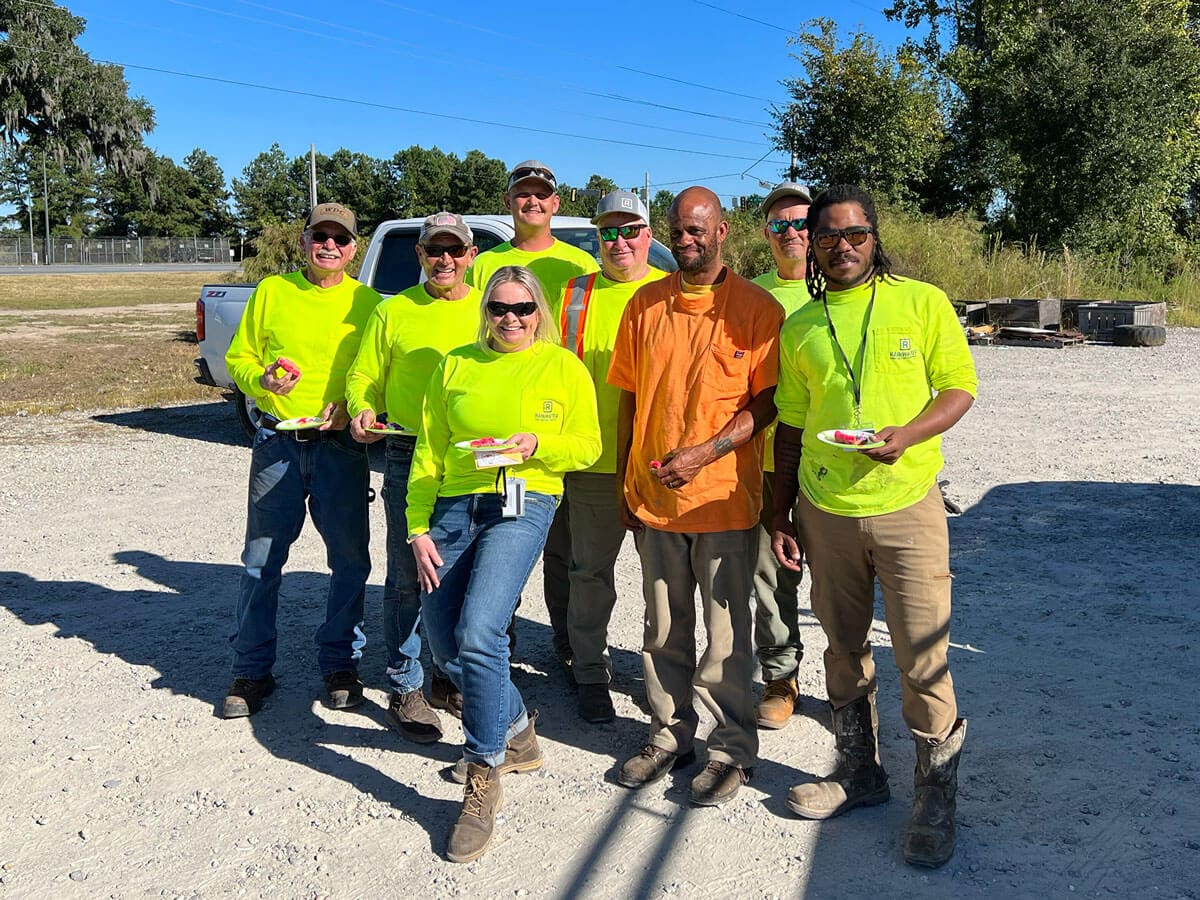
[110, 251]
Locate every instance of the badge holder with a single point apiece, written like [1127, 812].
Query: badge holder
[513, 492]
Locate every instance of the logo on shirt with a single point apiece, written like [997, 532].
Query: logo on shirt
[904, 350]
[548, 413]
[738, 354]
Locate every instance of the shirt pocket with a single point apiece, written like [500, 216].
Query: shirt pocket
[726, 372]
[898, 351]
[543, 410]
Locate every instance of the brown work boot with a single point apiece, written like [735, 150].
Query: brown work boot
[521, 754]
[410, 714]
[858, 779]
[778, 703]
[651, 764]
[481, 801]
[444, 695]
[718, 783]
[929, 840]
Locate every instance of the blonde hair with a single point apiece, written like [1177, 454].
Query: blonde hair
[547, 328]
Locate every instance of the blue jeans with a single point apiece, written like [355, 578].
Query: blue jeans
[401, 592]
[331, 475]
[486, 560]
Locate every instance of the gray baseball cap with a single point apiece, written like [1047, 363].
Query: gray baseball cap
[446, 223]
[621, 202]
[532, 168]
[785, 189]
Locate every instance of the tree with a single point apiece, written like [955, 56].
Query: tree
[1075, 120]
[270, 191]
[583, 201]
[359, 181]
[860, 116]
[478, 185]
[213, 197]
[423, 180]
[55, 99]
[71, 193]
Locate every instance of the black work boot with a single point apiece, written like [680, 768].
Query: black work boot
[929, 840]
[858, 779]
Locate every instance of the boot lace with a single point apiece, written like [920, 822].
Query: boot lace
[477, 789]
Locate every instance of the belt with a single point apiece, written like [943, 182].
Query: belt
[303, 435]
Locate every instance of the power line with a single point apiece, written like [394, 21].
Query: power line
[504, 72]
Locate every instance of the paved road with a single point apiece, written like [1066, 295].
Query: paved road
[116, 269]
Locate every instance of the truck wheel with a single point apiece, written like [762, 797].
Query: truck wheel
[248, 413]
[1139, 336]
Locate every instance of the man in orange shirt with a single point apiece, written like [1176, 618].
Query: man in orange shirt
[696, 358]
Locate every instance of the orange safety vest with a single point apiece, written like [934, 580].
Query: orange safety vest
[574, 314]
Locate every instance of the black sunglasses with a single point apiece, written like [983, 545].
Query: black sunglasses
[458, 251]
[629, 232]
[342, 240]
[520, 310]
[855, 236]
[780, 226]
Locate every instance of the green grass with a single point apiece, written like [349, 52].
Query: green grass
[25, 292]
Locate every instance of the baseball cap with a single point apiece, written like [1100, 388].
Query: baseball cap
[446, 223]
[533, 168]
[785, 189]
[621, 201]
[332, 212]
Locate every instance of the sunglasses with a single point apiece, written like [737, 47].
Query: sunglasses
[342, 240]
[780, 226]
[520, 310]
[855, 236]
[458, 251]
[629, 232]
[531, 172]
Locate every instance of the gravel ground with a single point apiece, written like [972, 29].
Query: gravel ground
[1076, 614]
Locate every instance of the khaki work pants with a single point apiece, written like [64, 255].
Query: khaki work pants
[596, 536]
[721, 565]
[908, 551]
[777, 607]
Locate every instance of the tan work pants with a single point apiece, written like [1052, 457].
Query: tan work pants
[721, 565]
[596, 536]
[908, 551]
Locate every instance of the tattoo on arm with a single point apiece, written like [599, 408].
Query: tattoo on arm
[721, 446]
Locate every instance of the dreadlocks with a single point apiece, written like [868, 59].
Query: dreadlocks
[842, 193]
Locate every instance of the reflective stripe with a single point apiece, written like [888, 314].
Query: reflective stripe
[574, 314]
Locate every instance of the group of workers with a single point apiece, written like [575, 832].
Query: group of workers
[536, 403]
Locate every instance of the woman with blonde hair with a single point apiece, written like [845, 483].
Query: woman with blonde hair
[477, 528]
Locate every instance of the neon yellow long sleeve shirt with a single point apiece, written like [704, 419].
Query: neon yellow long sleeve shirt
[404, 340]
[915, 346]
[791, 296]
[317, 328]
[477, 392]
[554, 267]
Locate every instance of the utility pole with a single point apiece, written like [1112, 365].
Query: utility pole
[32, 239]
[646, 191]
[46, 206]
[312, 175]
[793, 168]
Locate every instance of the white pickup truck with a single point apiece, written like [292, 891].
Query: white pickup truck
[389, 265]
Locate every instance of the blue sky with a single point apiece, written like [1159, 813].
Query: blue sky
[690, 82]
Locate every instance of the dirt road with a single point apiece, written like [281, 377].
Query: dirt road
[1076, 628]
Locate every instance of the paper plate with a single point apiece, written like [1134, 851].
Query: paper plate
[387, 429]
[827, 437]
[300, 423]
[487, 448]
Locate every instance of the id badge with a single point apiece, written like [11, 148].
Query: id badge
[514, 498]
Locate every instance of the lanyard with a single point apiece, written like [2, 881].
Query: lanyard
[856, 381]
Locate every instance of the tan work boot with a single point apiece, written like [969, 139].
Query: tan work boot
[778, 703]
[858, 779]
[521, 754]
[481, 801]
[929, 839]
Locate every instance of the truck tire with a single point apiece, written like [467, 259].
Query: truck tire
[1139, 336]
[247, 412]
